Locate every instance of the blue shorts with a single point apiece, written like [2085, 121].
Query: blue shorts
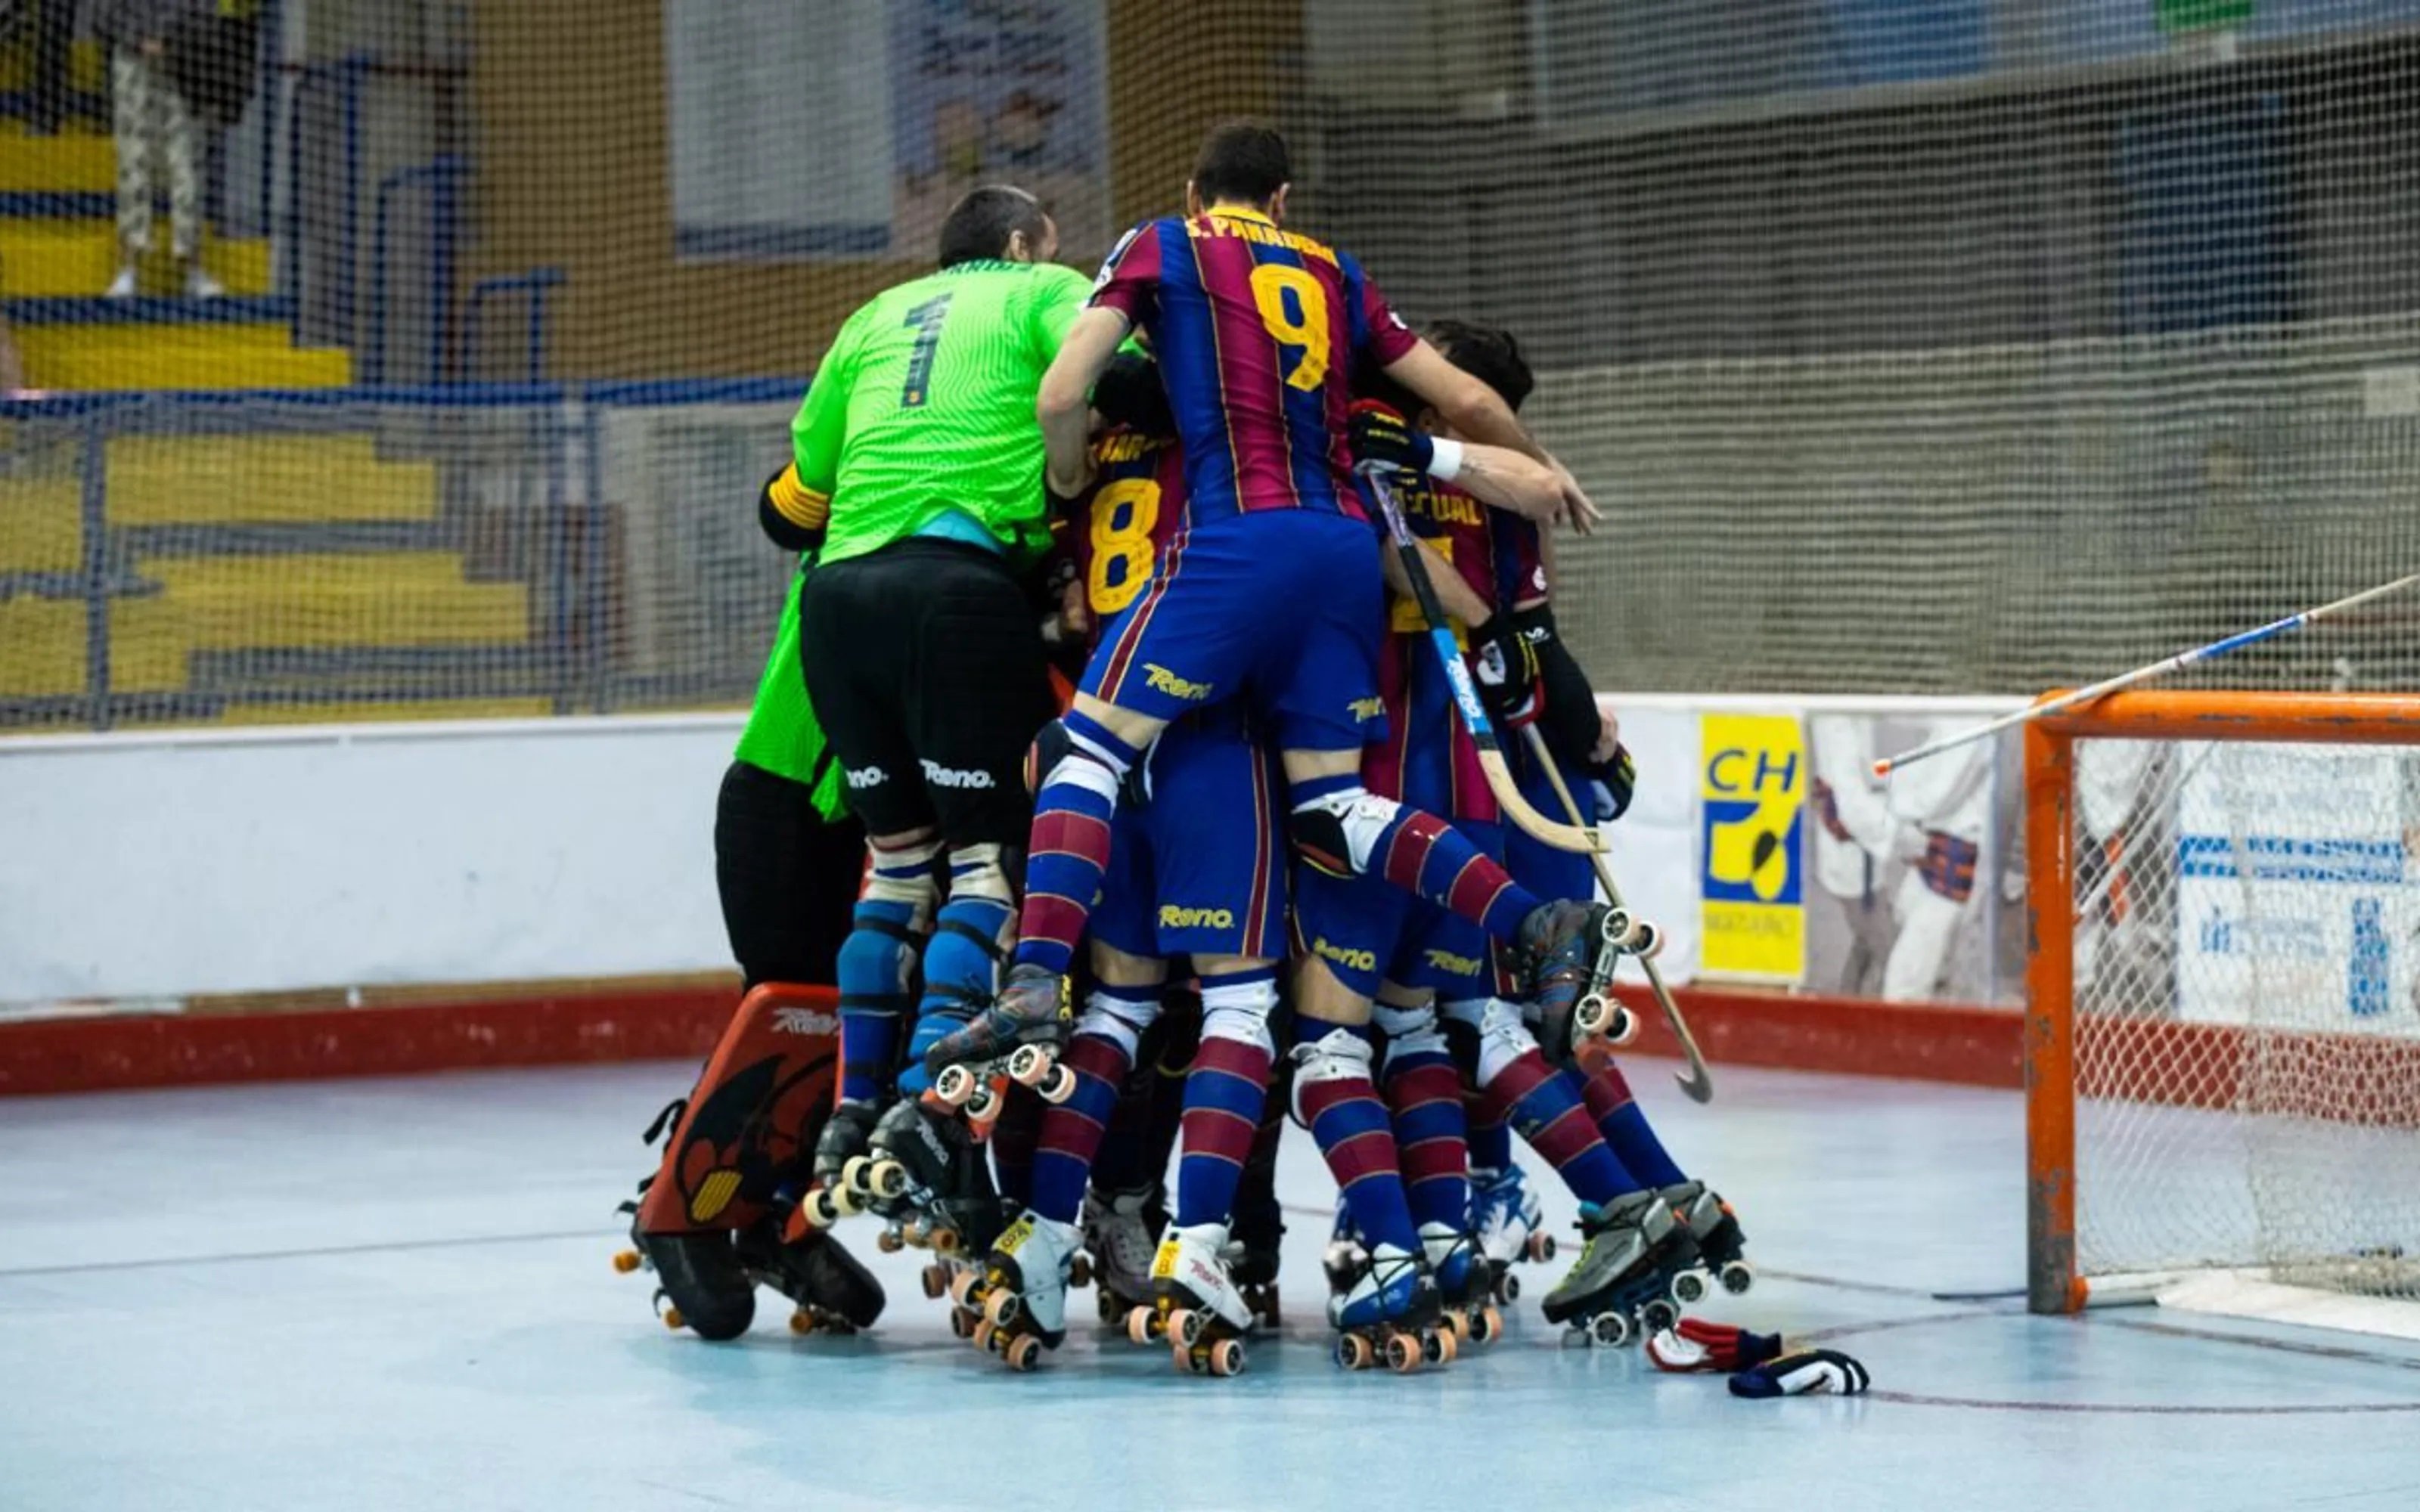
[1369, 930]
[1198, 870]
[1551, 874]
[1283, 606]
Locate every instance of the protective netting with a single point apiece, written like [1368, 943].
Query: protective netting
[1953, 347]
[2247, 1012]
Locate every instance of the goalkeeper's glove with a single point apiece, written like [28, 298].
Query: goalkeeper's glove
[1381, 438]
[1506, 665]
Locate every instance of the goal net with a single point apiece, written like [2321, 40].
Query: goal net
[2223, 1062]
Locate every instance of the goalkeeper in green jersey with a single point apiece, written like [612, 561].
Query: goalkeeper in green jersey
[919, 458]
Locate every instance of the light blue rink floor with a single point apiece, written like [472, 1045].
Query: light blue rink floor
[396, 1294]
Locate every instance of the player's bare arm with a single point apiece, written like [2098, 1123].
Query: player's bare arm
[1479, 413]
[1063, 406]
[1457, 596]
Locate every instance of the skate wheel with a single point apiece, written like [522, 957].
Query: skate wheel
[935, 1281]
[1227, 1357]
[1440, 1348]
[821, 1210]
[1649, 942]
[1187, 1362]
[1457, 1324]
[1622, 929]
[1058, 1085]
[1623, 1028]
[1737, 1278]
[914, 1234]
[1000, 1306]
[625, 1261]
[964, 1325]
[943, 1239]
[1029, 1064]
[1594, 1012]
[982, 1108]
[1023, 1353]
[981, 1334]
[1353, 1352]
[890, 1242]
[1404, 1353]
[1138, 1325]
[1611, 1330]
[674, 1320]
[1690, 1288]
[886, 1180]
[1108, 1305]
[1080, 1271]
[1541, 1248]
[1184, 1327]
[962, 1291]
[802, 1321]
[1508, 1288]
[1656, 1317]
[1488, 1327]
[956, 1086]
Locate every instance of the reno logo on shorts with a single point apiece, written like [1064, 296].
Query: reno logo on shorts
[1161, 680]
[1351, 959]
[804, 1021]
[1365, 710]
[1175, 916]
[950, 777]
[1452, 964]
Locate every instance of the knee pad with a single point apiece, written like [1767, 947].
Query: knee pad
[878, 961]
[1058, 754]
[905, 874]
[1503, 1038]
[1120, 1016]
[1238, 1009]
[1338, 1056]
[993, 872]
[1410, 1031]
[1337, 831]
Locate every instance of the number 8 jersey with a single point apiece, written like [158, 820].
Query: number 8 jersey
[1257, 331]
[1136, 506]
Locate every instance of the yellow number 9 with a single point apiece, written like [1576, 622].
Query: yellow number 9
[1125, 514]
[1305, 326]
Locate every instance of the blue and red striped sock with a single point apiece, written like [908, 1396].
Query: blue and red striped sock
[1417, 851]
[1070, 844]
[1100, 1054]
[1424, 1094]
[1623, 1124]
[1333, 1098]
[1224, 1092]
[1548, 1114]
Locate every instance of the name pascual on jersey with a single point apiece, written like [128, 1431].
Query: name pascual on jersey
[952, 777]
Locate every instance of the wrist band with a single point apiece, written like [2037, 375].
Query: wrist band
[1445, 459]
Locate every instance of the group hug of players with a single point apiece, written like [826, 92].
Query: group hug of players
[1254, 865]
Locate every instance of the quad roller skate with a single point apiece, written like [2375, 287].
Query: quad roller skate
[1197, 1307]
[1118, 1249]
[1619, 1290]
[1508, 1224]
[924, 1172]
[1567, 959]
[1716, 1248]
[1463, 1284]
[1015, 1303]
[1019, 1034]
[1600, 1014]
[1384, 1307]
[830, 1290]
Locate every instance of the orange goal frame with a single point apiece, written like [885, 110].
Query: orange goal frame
[2051, 1284]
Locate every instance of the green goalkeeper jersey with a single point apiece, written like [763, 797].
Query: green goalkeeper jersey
[783, 736]
[924, 404]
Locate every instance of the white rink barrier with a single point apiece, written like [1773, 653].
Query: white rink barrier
[170, 865]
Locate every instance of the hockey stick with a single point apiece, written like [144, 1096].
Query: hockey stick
[1698, 1083]
[1466, 695]
[1887, 765]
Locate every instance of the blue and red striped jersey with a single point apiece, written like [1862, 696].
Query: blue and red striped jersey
[1257, 331]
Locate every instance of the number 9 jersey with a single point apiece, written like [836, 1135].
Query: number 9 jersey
[1257, 331]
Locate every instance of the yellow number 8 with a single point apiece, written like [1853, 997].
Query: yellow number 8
[1304, 325]
[1125, 514]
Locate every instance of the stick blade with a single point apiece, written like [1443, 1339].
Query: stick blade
[1696, 1083]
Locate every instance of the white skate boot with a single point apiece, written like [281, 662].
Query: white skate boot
[1199, 1309]
[1021, 1294]
[1120, 1235]
[1510, 1225]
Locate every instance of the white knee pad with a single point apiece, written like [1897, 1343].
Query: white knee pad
[1119, 1019]
[1240, 1011]
[1343, 826]
[1410, 1030]
[1338, 1056]
[1502, 1039]
[905, 875]
[981, 871]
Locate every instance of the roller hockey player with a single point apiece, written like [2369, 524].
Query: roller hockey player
[1549, 687]
[1276, 586]
[915, 450]
[1195, 872]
